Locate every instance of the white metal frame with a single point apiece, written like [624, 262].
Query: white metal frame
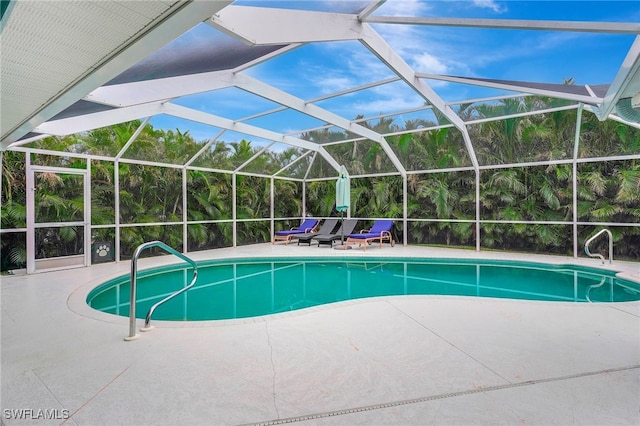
[293, 28]
[32, 225]
[31, 169]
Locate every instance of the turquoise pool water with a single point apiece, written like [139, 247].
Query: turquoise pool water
[248, 288]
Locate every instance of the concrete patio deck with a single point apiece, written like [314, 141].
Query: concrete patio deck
[388, 360]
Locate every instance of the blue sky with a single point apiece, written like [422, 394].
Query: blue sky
[322, 68]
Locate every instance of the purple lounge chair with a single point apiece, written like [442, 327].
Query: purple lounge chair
[381, 231]
[307, 226]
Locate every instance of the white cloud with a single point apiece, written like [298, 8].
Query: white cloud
[427, 63]
[403, 8]
[357, 67]
[328, 83]
[382, 105]
[428, 50]
[490, 4]
[383, 99]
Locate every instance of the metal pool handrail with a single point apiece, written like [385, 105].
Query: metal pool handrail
[586, 246]
[134, 272]
[588, 297]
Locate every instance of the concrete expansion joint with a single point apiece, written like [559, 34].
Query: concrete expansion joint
[624, 311]
[273, 368]
[102, 389]
[450, 343]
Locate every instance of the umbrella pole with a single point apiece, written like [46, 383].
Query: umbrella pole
[342, 246]
[342, 203]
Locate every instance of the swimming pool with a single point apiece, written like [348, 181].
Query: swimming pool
[248, 288]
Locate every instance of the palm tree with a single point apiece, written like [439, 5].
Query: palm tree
[607, 191]
[321, 198]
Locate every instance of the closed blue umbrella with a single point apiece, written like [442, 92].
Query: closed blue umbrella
[343, 198]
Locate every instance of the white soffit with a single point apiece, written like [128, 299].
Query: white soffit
[55, 52]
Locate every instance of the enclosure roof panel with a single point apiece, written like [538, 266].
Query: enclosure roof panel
[74, 66]
[201, 49]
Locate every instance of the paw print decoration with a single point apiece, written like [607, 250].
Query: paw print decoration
[102, 250]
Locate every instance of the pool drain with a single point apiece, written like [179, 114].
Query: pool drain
[435, 397]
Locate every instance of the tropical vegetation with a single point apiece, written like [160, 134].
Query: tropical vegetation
[441, 184]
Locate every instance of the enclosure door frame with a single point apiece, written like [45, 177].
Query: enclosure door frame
[32, 225]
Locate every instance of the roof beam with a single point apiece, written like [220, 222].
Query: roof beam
[224, 123]
[372, 7]
[261, 25]
[379, 47]
[261, 89]
[627, 80]
[82, 123]
[513, 24]
[161, 89]
[322, 98]
[368, 118]
[277, 26]
[512, 87]
[291, 164]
